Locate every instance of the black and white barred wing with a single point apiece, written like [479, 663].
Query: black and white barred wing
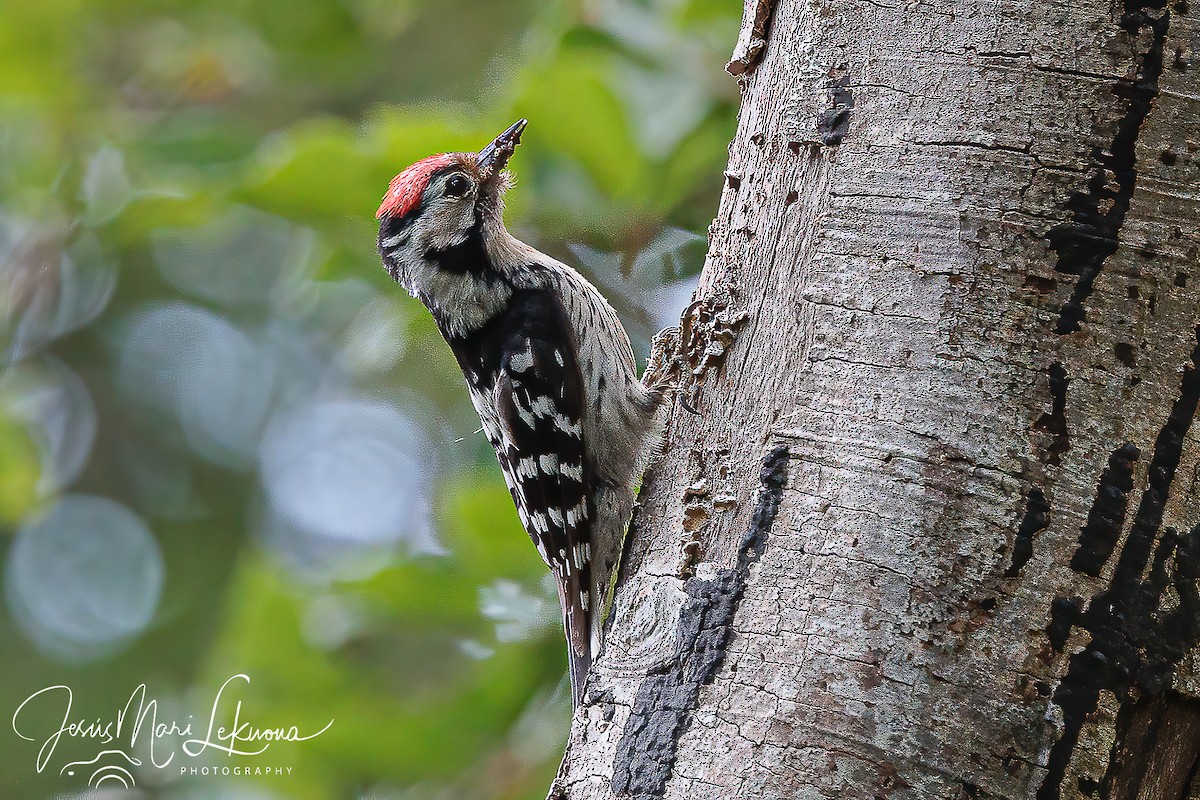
[539, 406]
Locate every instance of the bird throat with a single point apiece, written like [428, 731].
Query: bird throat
[461, 287]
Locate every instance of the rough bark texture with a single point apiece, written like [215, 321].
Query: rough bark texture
[934, 531]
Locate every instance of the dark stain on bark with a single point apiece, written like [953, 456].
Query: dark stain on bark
[1055, 423]
[1107, 516]
[663, 707]
[1036, 519]
[1064, 614]
[1041, 284]
[834, 122]
[1125, 354]
[1093, 234]
[1140, 628]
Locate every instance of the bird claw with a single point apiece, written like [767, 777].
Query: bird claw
[663, 367]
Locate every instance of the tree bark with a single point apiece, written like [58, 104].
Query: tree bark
[933, 530]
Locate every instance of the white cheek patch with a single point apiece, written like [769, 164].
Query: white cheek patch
[445, 224]
[445, 239]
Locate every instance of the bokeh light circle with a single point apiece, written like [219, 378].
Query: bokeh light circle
[84, 578]
[352, 470]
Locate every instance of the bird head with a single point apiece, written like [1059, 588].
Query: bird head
[444, 208]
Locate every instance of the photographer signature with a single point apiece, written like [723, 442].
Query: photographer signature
[138, 720]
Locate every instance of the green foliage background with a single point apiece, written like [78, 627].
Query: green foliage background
[222, 160]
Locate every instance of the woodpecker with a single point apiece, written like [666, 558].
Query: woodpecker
[548, 367]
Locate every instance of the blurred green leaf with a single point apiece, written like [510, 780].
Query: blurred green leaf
[437, 654]
[19, 464]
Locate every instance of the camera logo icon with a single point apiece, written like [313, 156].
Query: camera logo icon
[112, 775]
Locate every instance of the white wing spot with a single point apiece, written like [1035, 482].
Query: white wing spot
[549, 464]
[578, 513]
[543, 407]
[527, 467]
[523, 412]
[523, 360]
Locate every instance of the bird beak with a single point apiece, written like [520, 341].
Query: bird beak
[494, 157]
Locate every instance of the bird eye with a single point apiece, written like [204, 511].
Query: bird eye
[457, 186]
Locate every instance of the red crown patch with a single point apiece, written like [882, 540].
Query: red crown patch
[405, 190]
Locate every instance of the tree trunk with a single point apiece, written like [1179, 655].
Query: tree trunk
[932, 531]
